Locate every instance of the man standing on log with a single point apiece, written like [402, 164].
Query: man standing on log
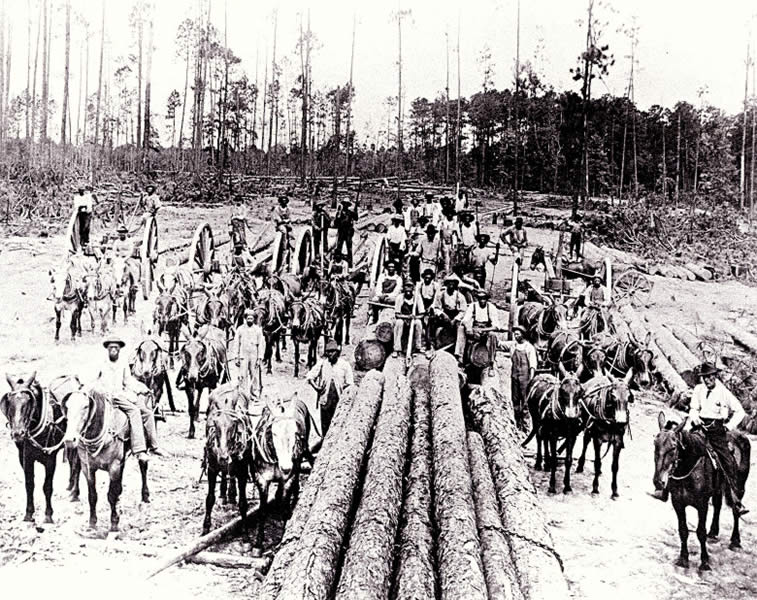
[249, 343]
[83, 206]
[320, 228]
[331, 378]
[388, 287]
[481, 322]
[408, 310]
[396, 239]
[480, 257]
[524, 362]
[344, 222]
[516, 238]
[575, 227]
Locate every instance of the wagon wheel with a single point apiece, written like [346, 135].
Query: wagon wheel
[72, 234]
[148, 253]
[632, 288]
[202, 253]
[378, 260]
[303, 252]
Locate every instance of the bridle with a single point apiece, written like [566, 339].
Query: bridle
[241, 441]
[45, 420]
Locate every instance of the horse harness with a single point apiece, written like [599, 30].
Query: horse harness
[47, 421]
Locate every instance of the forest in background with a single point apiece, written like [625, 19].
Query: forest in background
[529, 136]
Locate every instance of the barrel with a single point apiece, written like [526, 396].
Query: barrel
[369, 354]
[385, 332]
[479, 354]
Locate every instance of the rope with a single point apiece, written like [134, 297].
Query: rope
[682, 477]
[98, 442]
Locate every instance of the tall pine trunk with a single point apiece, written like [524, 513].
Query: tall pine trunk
[348, 139]
[148, 93]
[99, 86]
[678, 159]
[742, 173]
[183, 110]
[64, 112]
[140, 39]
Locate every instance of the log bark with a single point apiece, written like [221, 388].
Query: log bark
[295, 527]
[458, 549]
[312, 571]
[537, 563]
[416, 573]
[740, 335]
[368, 562]
[701, 273]
[678, 355]
[688, 339]
[228, 561]
[501, 577]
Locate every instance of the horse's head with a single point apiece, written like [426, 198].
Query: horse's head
[226, 429]
[569, 393]
[618, 398]
[194, 356]
[215, 312]
[642, 362]
[166, 309]
[537, 258]
[62, 284]
[147, 361]
[297, 315]
[18, 405]
[666, 447]
[286, 433]
[558, 315]
[78, 407]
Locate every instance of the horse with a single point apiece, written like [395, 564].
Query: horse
[211, 310]
[554, 406]
[306, 321]
[540, 321]
[126, 284]
[169, 315]
[571, 269]
[148, 367]
[684, 470]
[203, 358]
[100, 435]
[228, 448]
[593, 321]
[37, 424]
[101, 297]
[279, 443]
[565, 349]
[340, 302]
[622, 355]
[271, 312]
[606, 407]
[68, 294]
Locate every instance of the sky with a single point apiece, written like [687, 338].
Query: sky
[684, 46]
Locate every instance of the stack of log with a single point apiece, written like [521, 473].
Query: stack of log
[405, 502]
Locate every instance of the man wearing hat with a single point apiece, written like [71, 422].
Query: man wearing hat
[447, 238]
[388, 287]
[320, 228]
[396, 240]
[412, 213]
[431, 210]
[331, 377]
[123, 246]
[480, 256]
[575, 226]
[83, 206]
[450, 305]
[516, 238]
[115, 381]
[524, 363]
[152, 202]
[282, 216]
[427, 289]
[408, 310]
[428, 249]
[339, 269]
[594, 297]
[467, 232]
[716, 411]
[481, 322]
[247, 353]
[344, 221]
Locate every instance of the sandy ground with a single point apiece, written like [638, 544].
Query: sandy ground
[623, 548]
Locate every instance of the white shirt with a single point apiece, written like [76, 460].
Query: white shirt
[123, 248]
[397, 235]
[114, 378]
[475, 313]
[454, 301]
[468, 234]
[526, 347]
[83, 200]
[248, 340]
[717, 403]
[340, 373]
[384, 279]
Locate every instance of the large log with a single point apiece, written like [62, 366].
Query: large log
[538, 564]
[461, 573]
[501, 576]
[228, 561]
[295, 526]
[740, 335]
[368, 562]
[678, 355]
[688, 339]
[701, 273]
[312, 571]
[416, 574]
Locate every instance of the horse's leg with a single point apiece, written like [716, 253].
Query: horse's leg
[538, 465]
[268, 354]
[91, 476]
[683, 534]
[224, 485]
[347, 322]
[257, 550]
[296, 357]
[210, 499]
[27, 463]
[735, 534]
[570, 441]
[552, 464]
[189, 390]
[597, 464]
[145, 489]
[74, 472]
[241, 477]
[582, 458]
[617, 446]
[704, 565]
[279, 340]
[47, 487]
[116, 472]
[717, 504]
[57, 324]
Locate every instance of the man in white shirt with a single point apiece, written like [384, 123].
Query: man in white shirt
[115, 381]
[408, 310]
[388, 287]
[248, 345]
[331, 378]
[428, 249]
[83, 206]
[412, 214]
[152, 202]
[448, 238]
[431, 210]
[481, 322]
[467, 232]
[396, 239]
[524, 362]
[717, 411]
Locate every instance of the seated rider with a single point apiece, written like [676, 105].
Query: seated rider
[481, 322]
[427, 289]
[408, 310]
[396, 239]
[388, 287]
[339, 268]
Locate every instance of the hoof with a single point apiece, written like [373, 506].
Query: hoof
[206, 530]
[93, 525]
[49, 519]
[551, 491]
[734, 546]
[191, 435]
[256, 552]
[580, 470]
[615, 495]
[73, 497]
[712, 536]
[146, 498]
[537, 467]
[594, 492]
[705, 567]
[29, 518]
[567, 490]
[682, 562]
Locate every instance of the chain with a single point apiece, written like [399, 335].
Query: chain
[538, 544]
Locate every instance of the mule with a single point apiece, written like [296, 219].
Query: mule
[101, 297]
[565, 349]
[126, 285]
[541, 322]
[622, 355]
[271, 313]
[554, 406]
[340, 303]
[607, 418]
[148, 366]
[37, 424]
[168, 317]
[571, 269]
[100, 435]
[593, 321]
[306, 322]
[68, 294]
[684, 470]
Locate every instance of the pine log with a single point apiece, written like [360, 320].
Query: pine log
[228, 561]
[678, 355]
[312, 570]
[501, 577]
[687, 274]
[461, 572]
[688, 339]
[368, 561]
[416, 574]
[537, 563]
[740, 335]
[295, 526]
[701, 273]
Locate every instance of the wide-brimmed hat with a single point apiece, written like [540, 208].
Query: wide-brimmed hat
[283, 199]
[347, 202]
[319, 204]
[451, 280]
[429, 195]
[593, 277]
[430, 227]
[150, 187]
[122, 229]
[482, 293]
[518, 220]
[331, 346]
[483, 237]
[519, 328]
[707, 368]
[428, 271]
[396, 217]
[248, 312]
[110, 341]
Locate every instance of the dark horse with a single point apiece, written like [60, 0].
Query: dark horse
[306, 321]
[555, 414]
[620, 356]
[169, 315]
[272, 314]
[607, 418]
[565, 349]
[540, 321]
[684, 469]
[578, 269]
[148, 366]
[203, 358]
[279, 442]
[37, 425]
[100, 434]
[228, 448]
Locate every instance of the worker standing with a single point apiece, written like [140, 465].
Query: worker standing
[481, 255]
[524, 363]
[344, 222]
[248, 344]
[331, 378]
[83, 206]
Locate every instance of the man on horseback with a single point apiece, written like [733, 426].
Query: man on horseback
[480, 256]
[123, 246]
[249, 344]
[339, 267]
[408, 310]
[396, 239]
[115, 381]
[388, 287]
[481, 322]
[331, 378]
[594, 298]
[516, 238]
[716, 410]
